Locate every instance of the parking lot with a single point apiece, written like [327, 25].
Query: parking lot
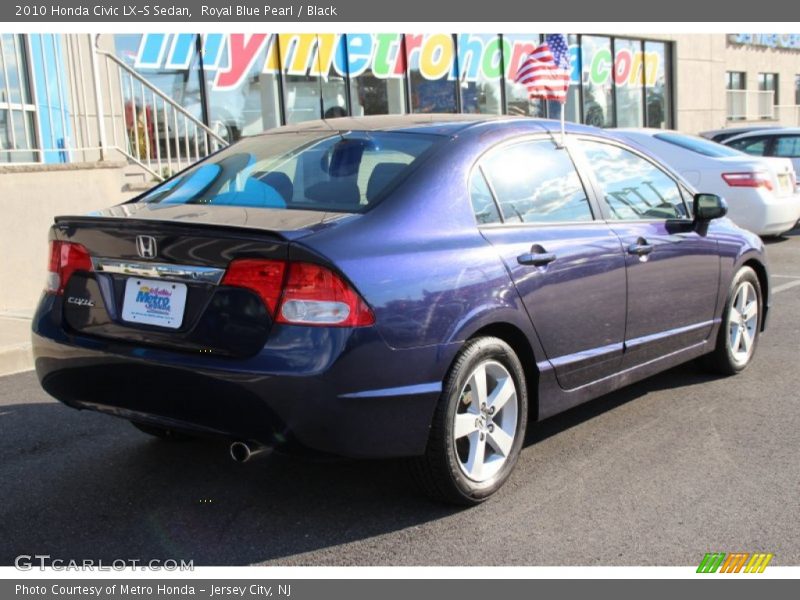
[657, 474]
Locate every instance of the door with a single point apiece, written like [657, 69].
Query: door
[567, 267]
[673, 268]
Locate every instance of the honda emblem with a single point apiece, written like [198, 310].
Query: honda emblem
[146, 246]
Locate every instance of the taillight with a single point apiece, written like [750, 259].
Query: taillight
[299, 293]
[755, 179]
[264, 277]
[314, 295]
[65, 259]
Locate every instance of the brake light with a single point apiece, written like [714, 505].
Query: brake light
[65, 259]
[299, 293]
[314, 295]
[264, 277]
[754, 180]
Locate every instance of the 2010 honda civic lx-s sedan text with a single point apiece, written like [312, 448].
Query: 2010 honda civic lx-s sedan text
[412, 286]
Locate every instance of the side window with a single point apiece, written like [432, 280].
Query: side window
[482, 201]
[787, 146]
[633, 187]
[755, 146]
[535, 182]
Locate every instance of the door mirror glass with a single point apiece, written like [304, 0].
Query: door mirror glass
[709, 206]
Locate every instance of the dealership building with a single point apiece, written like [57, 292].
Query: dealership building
[87, 121]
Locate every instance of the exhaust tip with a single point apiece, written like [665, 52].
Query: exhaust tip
[241, 452]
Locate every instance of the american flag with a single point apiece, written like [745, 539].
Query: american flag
[546, 71]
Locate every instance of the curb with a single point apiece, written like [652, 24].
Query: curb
[15, 359]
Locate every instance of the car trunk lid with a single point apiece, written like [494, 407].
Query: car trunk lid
[156, 277]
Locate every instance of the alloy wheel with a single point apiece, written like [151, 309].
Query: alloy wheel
[486, 421]
[743, 322]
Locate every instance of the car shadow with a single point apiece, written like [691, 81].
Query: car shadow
[83, 485]
[782, 238]
[684, 375]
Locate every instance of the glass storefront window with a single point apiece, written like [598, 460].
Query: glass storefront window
[516, 48]
[307, 95]
[375, 86]
[255, 82]
[628, 73]
[431, 81]
[573, 104]
[248, 104]
[17, 137]
[658, 95]
[597, 75]
[480, 63]
[171, 64]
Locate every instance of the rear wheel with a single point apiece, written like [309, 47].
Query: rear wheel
[162, 432]
[741, 325]
[479, 425]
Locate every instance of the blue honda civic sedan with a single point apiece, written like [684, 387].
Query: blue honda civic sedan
[395, 286]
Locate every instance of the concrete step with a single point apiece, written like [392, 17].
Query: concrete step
[15, 342]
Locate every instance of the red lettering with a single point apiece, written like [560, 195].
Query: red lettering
[622, 68]
[412, 42]
[241, 56]
[521, 51]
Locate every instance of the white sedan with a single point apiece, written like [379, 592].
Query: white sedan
[761, 192]
[783, 142]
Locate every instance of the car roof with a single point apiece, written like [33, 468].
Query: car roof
[770, 131]
[737, 130]
[651, 131]
[441, 124]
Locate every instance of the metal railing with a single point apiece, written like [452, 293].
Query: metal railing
[105, 107]
[750, 105]
[157, 134]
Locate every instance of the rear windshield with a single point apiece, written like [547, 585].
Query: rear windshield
[698, 144]
[327, 171]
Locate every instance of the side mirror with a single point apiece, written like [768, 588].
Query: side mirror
[709, 206]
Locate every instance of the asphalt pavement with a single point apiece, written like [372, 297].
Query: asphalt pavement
[657, 474]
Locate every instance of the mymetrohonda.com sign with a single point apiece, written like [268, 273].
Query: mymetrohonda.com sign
[230, 57]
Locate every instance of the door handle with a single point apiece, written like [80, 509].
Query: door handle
[536, 259]
[640, 248]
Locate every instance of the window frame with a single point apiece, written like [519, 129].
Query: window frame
[597, 188]
[521, 139]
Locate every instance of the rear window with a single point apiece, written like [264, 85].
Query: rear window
[341, 172]
[697, 144]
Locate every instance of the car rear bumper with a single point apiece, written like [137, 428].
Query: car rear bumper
[352, 395]
[778, 215]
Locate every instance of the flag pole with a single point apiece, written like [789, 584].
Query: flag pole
[563, 126]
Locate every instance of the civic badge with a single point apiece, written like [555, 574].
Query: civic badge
[146, 246]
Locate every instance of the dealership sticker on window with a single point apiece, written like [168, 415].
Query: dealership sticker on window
[151, 302]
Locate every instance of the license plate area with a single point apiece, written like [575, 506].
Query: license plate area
[154, 302]
[785, 183]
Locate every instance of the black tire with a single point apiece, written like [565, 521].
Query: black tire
[440, 472]
[162, 433]
[723, 360]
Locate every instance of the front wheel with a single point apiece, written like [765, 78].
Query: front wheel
[479, 425]
[741, 325]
